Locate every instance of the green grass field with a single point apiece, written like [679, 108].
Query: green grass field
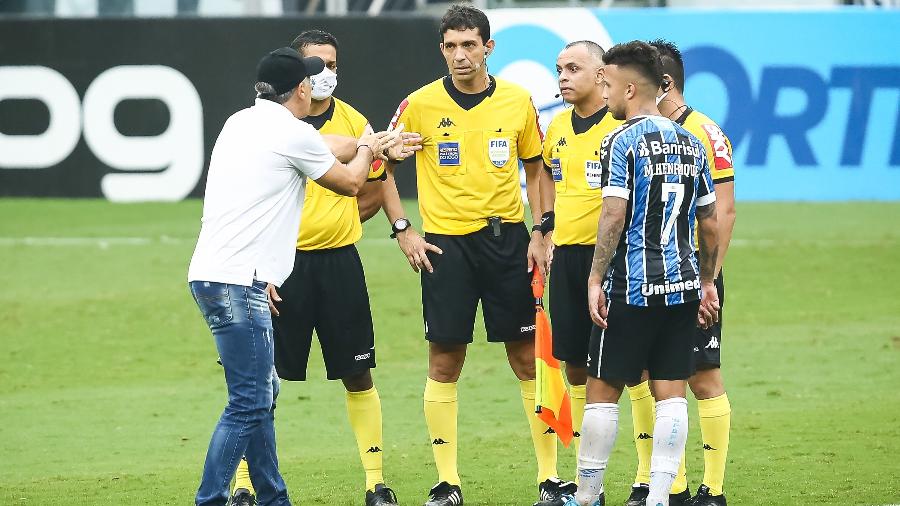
[109, 388]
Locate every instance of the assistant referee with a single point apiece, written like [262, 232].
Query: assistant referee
[572, 157]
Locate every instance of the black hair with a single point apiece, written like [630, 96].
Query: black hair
[314, 38]
[639, 56]
[465, 17]
[594, 49]
[670, 59]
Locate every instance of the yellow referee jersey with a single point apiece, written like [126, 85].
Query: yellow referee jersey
[717, 144]
[468, 168]
[572, 153]
[331, 220]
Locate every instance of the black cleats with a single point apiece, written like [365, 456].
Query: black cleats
[242, 497]
[552, 490]
[382, 496]
[638, 495]
[682, 499]
[445, 494]
[703, 498]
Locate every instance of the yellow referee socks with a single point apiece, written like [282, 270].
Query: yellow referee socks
[364, 411]
[542, 436]
[242, 477]
[577, 395]
[643, 415]
[680, 484]
[441, 408]
[715, 424]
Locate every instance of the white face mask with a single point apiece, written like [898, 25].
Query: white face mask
[323, 84]
[658, 99]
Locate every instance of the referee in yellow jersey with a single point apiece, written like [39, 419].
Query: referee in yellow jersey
[327, 289]
[706, 383]
[572, 157]
[475, 129]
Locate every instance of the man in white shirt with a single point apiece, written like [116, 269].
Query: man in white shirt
[251, 214]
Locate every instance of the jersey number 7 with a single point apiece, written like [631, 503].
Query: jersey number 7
[668, 189]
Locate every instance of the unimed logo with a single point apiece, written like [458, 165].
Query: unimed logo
[162, 167]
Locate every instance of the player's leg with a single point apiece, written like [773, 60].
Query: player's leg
[616, 357]
[509, 317]
[346, 334]
[571, 323]
[670, 364]
[243, 493]
[449, 301]
[643, 416]
[715, 410]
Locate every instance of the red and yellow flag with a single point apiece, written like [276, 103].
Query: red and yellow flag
[551, 403]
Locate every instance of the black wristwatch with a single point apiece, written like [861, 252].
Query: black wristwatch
[399, 226]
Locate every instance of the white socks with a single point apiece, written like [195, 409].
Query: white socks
[598, 435]
[669, 437]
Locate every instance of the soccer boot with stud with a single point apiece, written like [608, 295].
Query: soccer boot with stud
[445, 494]
[638, 495]
[242, 497]
[704, 498]
[381, 496]
[551, 491]
[681, 499]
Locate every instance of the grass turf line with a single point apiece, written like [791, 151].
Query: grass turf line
[109, 387]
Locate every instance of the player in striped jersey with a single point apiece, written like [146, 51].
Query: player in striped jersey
[655, 182]
[706, 384]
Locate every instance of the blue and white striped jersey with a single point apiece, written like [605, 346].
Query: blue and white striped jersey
[663, 172]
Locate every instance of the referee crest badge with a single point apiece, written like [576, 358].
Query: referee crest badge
[498, 151]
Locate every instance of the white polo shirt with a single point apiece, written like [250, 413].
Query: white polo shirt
[254, 195]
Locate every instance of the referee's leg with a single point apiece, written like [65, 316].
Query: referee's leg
[714, 408]
[449, 302]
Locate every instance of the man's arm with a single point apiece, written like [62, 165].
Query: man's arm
[707, 237]
[609, 232]
[725, 214]
[548, 202]
[343, 147]
[411, 243]
[349, 179]
[537, 255]
[369, 199]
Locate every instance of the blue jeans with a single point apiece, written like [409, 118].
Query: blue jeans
[241, 324]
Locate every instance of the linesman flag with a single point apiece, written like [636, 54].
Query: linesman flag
[551, 403]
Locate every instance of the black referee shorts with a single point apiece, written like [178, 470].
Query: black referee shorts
[327, 292]
[708, 347]
[568, 302]
[479, 266]
[657, 338]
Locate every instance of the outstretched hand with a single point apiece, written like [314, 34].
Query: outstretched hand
[416, 249]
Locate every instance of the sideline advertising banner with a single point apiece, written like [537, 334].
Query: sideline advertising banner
[129, 109]
[810, 99]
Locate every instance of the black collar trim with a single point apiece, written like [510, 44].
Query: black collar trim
[684, 116]
[468, 100]
[581, 125]
[319, 121]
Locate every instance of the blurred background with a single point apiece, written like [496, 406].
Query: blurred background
[123, 99]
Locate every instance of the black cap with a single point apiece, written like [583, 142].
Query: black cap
[284, 69]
